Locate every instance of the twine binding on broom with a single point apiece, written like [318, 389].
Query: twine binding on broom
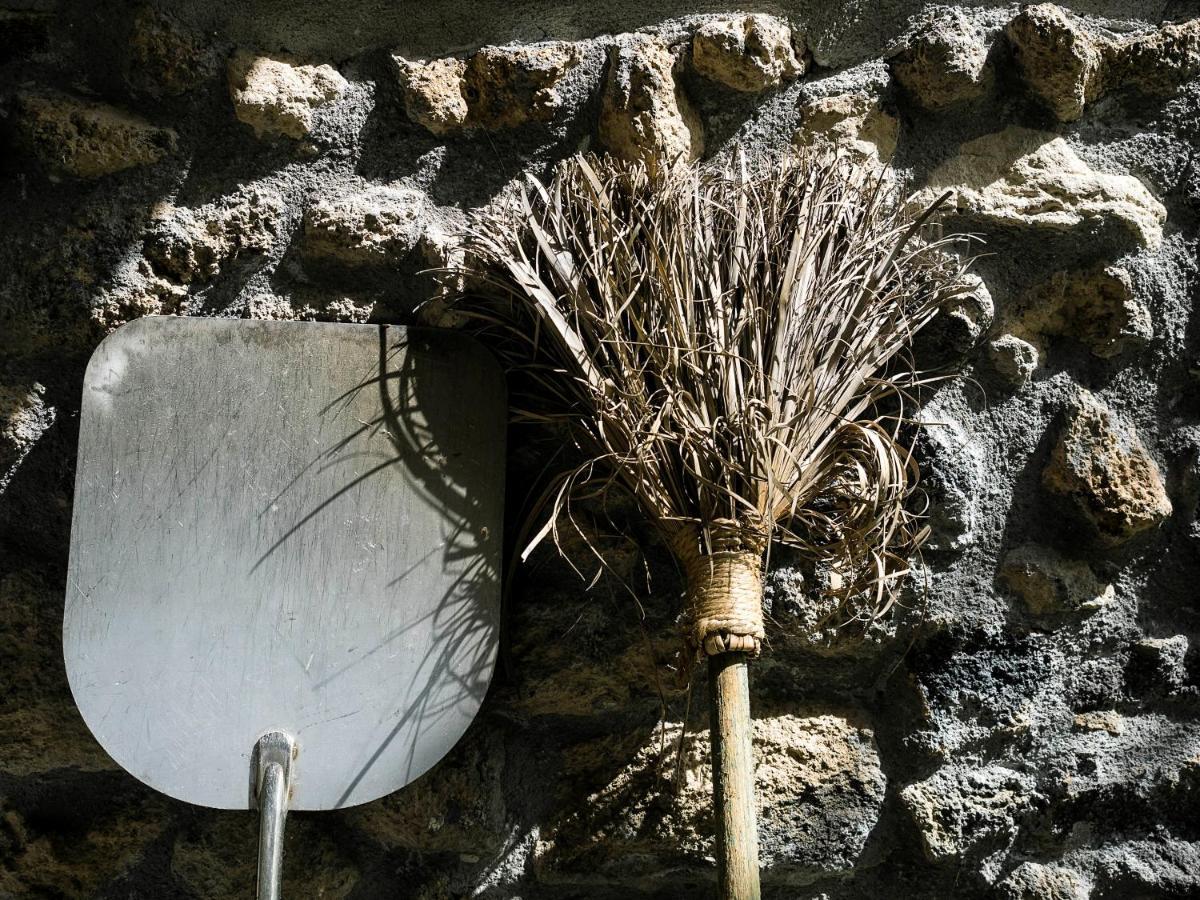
[723, 578]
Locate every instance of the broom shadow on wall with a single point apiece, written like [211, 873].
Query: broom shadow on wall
[419, 434]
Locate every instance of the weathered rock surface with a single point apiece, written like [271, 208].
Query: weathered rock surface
[457, 807]
[1159, 665]
[1095, 306]
[966, 814]
[820, 790]
[165, 58]
[1036, 881]
[945, 63]
[957, 329]
[1014, 359]
[107, 841]
[209, 859]
[433, 92]
[373, 228]
[24, 418]
[1066, 65]
[509, 86]
[1158, 62]
[1022, 178]
[1051, 584]
[494, 88]
[644, 113]
[953, 473]
[855, 123]
[747, 53]
[85, 139]
[1058, 60]
[280, 95]
[1102, 468]
[192, 245]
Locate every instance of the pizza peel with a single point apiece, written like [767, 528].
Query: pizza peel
[284, 581]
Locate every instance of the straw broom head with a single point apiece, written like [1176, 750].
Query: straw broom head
[732, 350]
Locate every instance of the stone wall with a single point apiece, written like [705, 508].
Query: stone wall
[1027, 725]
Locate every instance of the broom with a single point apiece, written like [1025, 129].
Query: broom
[730, 348]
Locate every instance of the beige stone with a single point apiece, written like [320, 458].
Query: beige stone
[1101, 467]
[1095, 306]
[1038, 881]
[1051, 584]
[375, 227]
[644, 114]
[1157, 62]
[85, 139]
[508, 86]
[1107, 720]
[432, 91]
[1021, 178]
[1057, 59]
[147, 294]
[1066, 66]
[855, 123]
[494, 88]
[747, 53]
[945, 63]
[280, 95]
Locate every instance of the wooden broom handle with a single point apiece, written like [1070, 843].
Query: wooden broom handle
[733, 776]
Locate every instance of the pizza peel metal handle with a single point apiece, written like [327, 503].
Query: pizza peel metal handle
[270, 787]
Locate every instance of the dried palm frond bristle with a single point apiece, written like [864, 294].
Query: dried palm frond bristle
[730, 348]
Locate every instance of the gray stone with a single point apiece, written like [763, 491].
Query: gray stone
[955, 480]
[956, 330]
[189, 245]
[1160, 664]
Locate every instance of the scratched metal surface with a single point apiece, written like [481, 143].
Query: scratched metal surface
[268, 535]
